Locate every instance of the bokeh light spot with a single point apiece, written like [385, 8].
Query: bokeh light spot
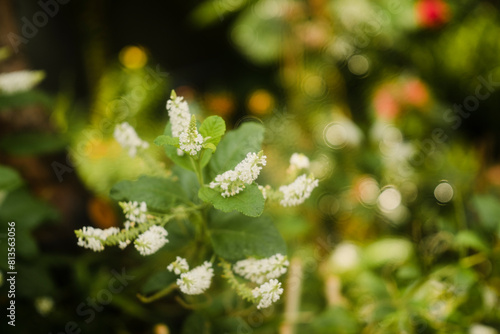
[443, 192]
[389, 199]
[358, 65]
[133, 57]
[261, 102]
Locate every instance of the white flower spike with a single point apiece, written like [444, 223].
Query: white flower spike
[247, 171]
[179, 266]
[190, 141]
[267, 293]
[178, 111]
[197, 280]
[92, 238]
[260, 271]
[19, 81]
[126, 136]
[298, 191]
[299, 161]
[151, 241]
[135, 212]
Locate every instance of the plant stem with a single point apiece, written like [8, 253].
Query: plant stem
[197, 170]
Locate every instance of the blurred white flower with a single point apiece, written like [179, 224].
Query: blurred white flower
[260, 271]
[299, 161]
[19, 81]
[126, 136]
[481, 329]
[179, 266]
[298, 191]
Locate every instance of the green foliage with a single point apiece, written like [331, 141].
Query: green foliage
[32, 143]
[234, 147]
[160, 194]
[9, 178]
[249, 202]
[235, 236]
[213, 128]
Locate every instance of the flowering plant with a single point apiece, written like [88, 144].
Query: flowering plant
[210, 202]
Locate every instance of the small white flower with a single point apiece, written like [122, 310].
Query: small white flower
[93, 238]
[123, 244]
[178, 111]
[126, 136]
[299, 161]
[267, 293]
[260, 271]
[135, 212]
[152, 240]
[197, 280]
[247, 171]
[298, 191]
[179, 266]
[264, 190]
[190, 141]
[19, 81]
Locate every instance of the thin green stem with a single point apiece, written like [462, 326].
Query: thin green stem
[197, 170]
[157, 295]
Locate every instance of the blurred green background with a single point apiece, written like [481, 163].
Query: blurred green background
[395, 102]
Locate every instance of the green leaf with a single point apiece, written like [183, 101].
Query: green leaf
[249, 202]
[32, 143]
[26, 98]
[209, 146]
[9, 178]
[472, 240]
[388, 250]
[26, 210]
[234, 147]
[166, 141]
[158, 281]
[160, 194]
[488, 210]
[196, 323]
[235, 237]
[213, 128]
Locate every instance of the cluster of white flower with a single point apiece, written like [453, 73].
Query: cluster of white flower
[247, 171]
[93, 238]
[260, 271]
[179, 266]
[178, 111]
[298, 191]
[135, 212]
[299, 161]
[126, 136]
[190, 141]
[195, 281]
[152, 240]
[267, 293]
[264, 190]
[19, 81]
